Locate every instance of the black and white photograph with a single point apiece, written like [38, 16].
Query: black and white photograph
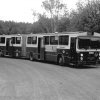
[49, 49]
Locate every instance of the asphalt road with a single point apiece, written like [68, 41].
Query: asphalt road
[26, 80]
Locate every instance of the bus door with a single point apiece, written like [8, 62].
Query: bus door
[8, 45]
[12, 41]
[73, 49]
[41, 48]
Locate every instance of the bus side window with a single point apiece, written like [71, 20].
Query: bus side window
[63, 40]
[18, 40]
[73, 43]
[46, 40]
[28, 40]
[13, 40]
[53, 40]
[34, 40]
[2, 39]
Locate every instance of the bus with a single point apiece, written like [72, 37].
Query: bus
[10, 45]
[75, 48]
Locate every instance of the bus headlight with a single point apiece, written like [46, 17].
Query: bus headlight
[81, 58]
[63, 51]
[81, 55]
[96, 54]
[99, 53]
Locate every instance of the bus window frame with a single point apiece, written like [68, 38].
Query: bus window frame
[67, 40]
[32, 45]
[48, 40]
[54, 40]
[31, 40]
[4, 40]
[35, 41]
[17, 40]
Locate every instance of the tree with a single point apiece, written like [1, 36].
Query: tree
[54, 8]
[87, 16]
[63, 24]
[45, 24]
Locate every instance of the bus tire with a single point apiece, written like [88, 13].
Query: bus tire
[61, 61]
[77, 65]
[31, 58]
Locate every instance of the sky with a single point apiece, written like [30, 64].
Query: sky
[21, 10]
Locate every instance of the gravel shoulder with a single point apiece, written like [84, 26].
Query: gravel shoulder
[26, 80]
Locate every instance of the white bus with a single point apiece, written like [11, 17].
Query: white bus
[66, 47]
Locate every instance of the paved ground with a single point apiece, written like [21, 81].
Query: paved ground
[25, 80]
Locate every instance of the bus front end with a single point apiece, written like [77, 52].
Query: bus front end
[88, 50]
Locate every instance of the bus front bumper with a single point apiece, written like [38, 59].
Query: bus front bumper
[88, 62]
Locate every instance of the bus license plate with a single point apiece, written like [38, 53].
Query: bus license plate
[91, 52]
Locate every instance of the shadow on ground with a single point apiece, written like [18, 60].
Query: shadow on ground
[53, 63]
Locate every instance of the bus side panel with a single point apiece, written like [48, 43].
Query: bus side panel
[33, 50]
[66, 54]
[3, 49]
[51, 56]
[23, 53]
[42, 54]
[14, 50]
[51, 53]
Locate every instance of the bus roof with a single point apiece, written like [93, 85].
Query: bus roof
[73, 34]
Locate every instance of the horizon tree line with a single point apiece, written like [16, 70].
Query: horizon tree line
[57, 18]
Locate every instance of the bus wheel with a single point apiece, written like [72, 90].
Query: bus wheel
[31, 56]
[61, 61]
[77, 65]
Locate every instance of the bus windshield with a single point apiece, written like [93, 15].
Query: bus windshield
[89, 43]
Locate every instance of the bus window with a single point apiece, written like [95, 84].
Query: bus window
[2, 40]
[73, 43]
[18, 40]
[46, 40]
[89, 43]
[63, 40]
[29, 40]
[13, 40]
[34, 40]
[53, 40]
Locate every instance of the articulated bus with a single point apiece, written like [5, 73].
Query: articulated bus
[63, 48]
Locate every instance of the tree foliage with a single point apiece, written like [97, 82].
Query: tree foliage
[85, 18]
[55, 8]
